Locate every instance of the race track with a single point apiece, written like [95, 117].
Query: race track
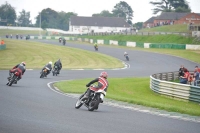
[32, 107]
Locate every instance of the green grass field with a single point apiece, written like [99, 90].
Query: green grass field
[147, 39]
[3, 32]
[136, 91]
[167, 28]
[36, 55]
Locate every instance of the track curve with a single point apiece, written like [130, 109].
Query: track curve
[30, 106]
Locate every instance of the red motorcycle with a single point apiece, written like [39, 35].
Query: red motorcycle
[13, 78]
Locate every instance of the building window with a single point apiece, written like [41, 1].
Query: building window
[100, 27]
[76, 26]
[192, 16]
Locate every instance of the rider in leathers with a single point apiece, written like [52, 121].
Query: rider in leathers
[18, 68]
[49, 65]
[102, 84]
[58, 64]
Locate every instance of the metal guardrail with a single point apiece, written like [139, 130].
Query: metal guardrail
[160, 83]
[138, 33]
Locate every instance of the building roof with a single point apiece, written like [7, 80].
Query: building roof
[151, 20]
[171, 16]
[98, 21]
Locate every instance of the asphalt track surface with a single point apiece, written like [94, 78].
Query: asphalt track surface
[31, 107]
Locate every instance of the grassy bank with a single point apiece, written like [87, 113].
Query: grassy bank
[134, 90]
[147, 39]
[192, 55]
[3, 32]
[167, 28]
[36, 55]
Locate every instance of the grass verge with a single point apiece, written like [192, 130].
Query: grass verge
[167, 28]
[134, 90]
[147, 39]
[3, 32]
[36, 55]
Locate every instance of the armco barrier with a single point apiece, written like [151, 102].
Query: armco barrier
[168, 46]
[126, 43]
[175, 90]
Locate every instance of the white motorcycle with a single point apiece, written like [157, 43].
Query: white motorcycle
[93, 101]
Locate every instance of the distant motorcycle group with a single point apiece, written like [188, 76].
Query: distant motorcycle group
[15, 74]
[18, 36]
[48, 67]
[62, 40]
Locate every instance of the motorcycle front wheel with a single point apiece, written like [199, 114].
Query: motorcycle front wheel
[79, 102]
[12, 80]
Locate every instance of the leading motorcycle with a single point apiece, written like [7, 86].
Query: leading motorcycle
[96, 48]
[13, 78]
[127, 58]
[93, 101]
[44, 72]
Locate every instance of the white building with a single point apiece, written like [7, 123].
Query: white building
[79, 24]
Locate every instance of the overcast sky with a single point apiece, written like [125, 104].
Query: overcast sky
[142, 8]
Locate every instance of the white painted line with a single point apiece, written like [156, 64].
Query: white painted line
[29, 69]
[111, 104]
[77, 69]
[99, 69]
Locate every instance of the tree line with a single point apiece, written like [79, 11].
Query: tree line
[50, 18]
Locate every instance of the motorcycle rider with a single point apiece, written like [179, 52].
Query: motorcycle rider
[60, 39]
[102, 84]
[48, 65]
[95, 45]
[21, 68]
[59, 65]
[125, 54]
[64, 41]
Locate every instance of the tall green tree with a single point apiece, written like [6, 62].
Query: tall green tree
[49, 16]
[54, 19]
[64, 19]
[24, 18]
[170, 6]
[122, 9]
[7, 14]
[138, 25]
[104, 13]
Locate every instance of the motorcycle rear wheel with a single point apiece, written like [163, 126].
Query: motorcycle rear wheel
[94, 103]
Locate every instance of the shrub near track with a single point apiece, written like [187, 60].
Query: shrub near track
[36, 55]
[134, 90]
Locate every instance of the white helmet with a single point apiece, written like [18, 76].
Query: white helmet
[50, 62]
[125, 53]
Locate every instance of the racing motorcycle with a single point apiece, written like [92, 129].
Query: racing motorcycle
[55, 71]
[60, 40]
[93, 101]
[64, 41]
[13, 78]
[127, 58]
[96, 48]
[44, 72]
